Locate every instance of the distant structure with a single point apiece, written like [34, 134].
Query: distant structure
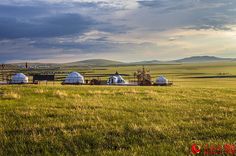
[26, 65]
[74, 78]
[116, 79]
[43, 77]
[162, 81]
[143, 77]
[19, 78]
[3, 67]
[95, 82]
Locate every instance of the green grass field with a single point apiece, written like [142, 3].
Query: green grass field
[116, 120]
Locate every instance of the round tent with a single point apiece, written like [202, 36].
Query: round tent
[162, 81]
[74, 78]
[116, 79]
[19, 78]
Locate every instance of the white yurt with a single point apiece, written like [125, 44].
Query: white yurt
[116, 79]
[19, 78]
[74, 78]
[162, 81]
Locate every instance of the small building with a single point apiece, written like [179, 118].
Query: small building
[116, 79]
[38, 77]
[74, 78]
[19, 78]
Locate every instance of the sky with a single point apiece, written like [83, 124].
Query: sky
[125, 30]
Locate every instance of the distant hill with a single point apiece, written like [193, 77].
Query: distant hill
[193, 59]
[94, 62]
[104, 62]
[147, 62]
[202, 59]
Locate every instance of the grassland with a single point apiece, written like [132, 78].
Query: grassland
[112, 120]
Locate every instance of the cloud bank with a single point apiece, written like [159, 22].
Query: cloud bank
[70, 30]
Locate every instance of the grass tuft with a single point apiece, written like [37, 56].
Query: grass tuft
[60, 94]
[10, 96]
[40, 91]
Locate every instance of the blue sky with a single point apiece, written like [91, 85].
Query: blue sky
[71, 30]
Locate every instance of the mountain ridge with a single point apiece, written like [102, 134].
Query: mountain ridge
[195, 59]
[95, 62]
[107, 62]
[192, 59]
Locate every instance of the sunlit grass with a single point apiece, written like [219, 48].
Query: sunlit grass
[78, 120]
[10, 95]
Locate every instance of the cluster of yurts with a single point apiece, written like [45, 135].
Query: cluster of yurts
[77, 78]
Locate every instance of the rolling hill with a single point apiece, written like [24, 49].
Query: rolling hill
[147, 62]
[94, 62]
[195, 59]
[105, 62]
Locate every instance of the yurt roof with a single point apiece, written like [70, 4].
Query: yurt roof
[19, 75]
[162, 78]
[119, 77]
[117, 73]
[75, 74]
[113, 76]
